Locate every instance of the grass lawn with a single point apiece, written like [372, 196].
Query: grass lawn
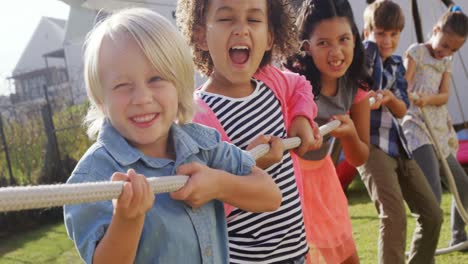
[50, 244]
[366, 227]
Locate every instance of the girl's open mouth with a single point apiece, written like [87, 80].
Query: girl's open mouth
[239, 54]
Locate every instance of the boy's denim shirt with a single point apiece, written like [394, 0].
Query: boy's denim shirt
[173, 232]
[386, 132]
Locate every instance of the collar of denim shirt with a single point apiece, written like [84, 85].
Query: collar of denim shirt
[188, 140]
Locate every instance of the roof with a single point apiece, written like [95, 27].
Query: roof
[47, 37]
[59, 22]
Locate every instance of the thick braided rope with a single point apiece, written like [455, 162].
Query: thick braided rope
[294, 142]
[43, 196]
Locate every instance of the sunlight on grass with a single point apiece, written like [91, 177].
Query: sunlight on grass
[366, 227]
[50, 243]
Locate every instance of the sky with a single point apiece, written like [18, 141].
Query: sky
[18, 20]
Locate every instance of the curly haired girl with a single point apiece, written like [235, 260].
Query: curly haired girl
[251, 102]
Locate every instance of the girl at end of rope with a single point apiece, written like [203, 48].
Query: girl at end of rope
[333, 61]
[429, 69]
[139, 78]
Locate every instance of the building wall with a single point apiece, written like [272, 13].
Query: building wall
[47, 37]
[30, 86]
[80, 22]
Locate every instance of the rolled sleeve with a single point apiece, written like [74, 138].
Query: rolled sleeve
[232, 159]
[293, 91]
[301, 100]
[360, 95]
[86, 224]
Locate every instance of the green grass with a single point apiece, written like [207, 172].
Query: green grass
[50, 243]
[366, 227]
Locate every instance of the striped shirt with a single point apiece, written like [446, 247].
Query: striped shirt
[385, 130]
[271, 237]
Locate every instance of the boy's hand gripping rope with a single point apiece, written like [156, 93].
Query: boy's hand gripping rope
[43, 196]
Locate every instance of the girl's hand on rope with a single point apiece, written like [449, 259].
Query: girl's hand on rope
[309, 135]
[136, 198]
[420, 100]
[201, 187]
[346, 129]
[274, 155]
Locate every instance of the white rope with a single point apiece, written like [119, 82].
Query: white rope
[451, 182]
[457, 247]
[294, 142]
[452, 187]
[42, 196]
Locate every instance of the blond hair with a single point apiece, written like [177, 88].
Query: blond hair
[160, 42]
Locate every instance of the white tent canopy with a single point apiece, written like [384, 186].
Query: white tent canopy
[430, 11]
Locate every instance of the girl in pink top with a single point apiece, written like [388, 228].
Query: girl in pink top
[251, 102]
[333, 61]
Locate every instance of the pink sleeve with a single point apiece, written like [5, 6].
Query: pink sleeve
[300, 98]
[360, 95]
[293, 91]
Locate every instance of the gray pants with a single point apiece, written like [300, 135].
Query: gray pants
[429, 163]
[391, 181]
